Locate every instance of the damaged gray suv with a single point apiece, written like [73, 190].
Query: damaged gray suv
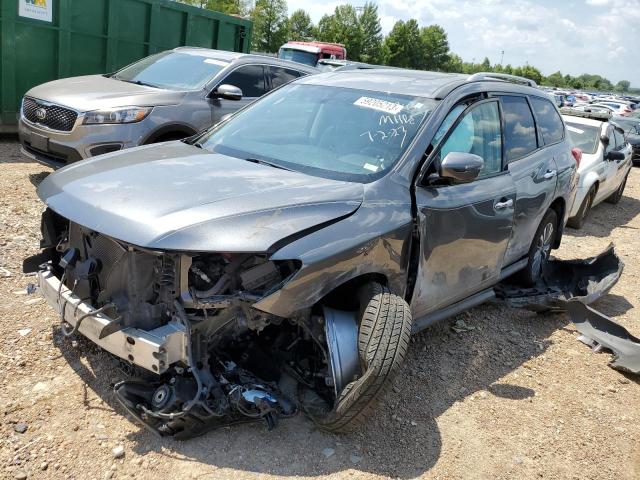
[280, 261]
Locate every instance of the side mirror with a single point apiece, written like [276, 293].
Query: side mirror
[228, 92]
[461, 167]
[615, 155]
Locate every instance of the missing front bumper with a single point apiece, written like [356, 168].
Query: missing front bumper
[154, 350]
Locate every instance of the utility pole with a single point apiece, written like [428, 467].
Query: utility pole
[501, 57]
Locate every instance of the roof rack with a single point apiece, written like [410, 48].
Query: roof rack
[604, 116]
[504, 77]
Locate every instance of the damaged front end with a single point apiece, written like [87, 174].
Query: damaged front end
[209, 357]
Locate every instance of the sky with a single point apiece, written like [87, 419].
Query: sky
[589, 36]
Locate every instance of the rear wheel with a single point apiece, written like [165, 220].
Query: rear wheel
[540, 249]
[617, 195]
[577, 222]
[383, 341]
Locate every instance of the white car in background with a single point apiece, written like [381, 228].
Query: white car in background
[605, 163]
[617, 107]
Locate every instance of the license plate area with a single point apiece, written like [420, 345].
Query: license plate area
[40, 142]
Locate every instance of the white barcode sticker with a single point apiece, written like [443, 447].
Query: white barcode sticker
[379, 105]
[368, 166]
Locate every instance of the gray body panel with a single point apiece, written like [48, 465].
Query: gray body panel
[175, 196]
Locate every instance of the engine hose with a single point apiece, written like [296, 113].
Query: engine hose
[182, 315]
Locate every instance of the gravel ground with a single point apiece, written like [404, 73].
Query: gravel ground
[516, 397]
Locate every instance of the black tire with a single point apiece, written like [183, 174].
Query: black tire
[540, 248]
[383, 342]
[616, 196]
[578, 221]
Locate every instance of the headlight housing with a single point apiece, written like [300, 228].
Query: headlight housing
[117, 115]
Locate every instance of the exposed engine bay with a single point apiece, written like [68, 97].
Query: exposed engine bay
[236, 363]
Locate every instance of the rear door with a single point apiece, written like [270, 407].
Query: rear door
[533, 170]
[464, 228]
[279, 76]
[251, 79]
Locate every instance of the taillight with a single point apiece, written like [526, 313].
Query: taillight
[577, 155]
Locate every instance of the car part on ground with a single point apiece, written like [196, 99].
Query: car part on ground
[583, 280]
[599, 331]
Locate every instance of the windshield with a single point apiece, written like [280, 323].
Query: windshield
[307, 58]
[339, 133]
[585, 137]
[172, 70]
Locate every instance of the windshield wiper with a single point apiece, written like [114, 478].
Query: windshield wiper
[136, 82]
[268, 164]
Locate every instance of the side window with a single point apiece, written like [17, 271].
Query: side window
[619, 139]
[249, 79]
[479, 133]
[519, 128]
[612, 141]
[280, 76]
[549, 122]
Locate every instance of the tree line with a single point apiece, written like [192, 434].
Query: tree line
[408, 45]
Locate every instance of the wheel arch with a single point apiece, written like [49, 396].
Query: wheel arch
[559, 205]
[167, 130]
[343, 296]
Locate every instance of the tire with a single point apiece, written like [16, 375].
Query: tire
[540, 249]
[383, 341]
[578, 221]
[616, 196]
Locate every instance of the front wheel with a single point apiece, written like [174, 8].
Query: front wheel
[383, 342]
[540, 249]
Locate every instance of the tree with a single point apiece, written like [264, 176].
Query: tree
[435, 47]
[369, 23]
[231, 7]
[270, 25]
[454, 64]
[623, 86]
[403, 45]
[555, 80]
[300, 26]
[342, 27]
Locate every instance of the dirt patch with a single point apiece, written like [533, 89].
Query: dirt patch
[516, 397]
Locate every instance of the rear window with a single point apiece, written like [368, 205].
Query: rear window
[549, 122]
[585, 137]
[520, 130]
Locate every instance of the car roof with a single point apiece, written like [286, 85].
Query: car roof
[583, 121]
[231, 57]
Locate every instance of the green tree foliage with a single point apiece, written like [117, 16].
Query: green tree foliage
[231, 7]
[435, 47]
[402, 47]
[343, 27]
[270, 25]
[300, 26]
[369, 23]
[623, 86]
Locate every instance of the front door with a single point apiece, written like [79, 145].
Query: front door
[464, 228]
[251, 79]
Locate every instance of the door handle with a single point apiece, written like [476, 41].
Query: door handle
[503, 205]
[550, 174]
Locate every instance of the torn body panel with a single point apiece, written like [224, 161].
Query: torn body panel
[584, 281]
[598, 331]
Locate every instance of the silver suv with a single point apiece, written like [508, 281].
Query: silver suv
[166, 96]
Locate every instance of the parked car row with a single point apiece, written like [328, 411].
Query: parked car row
[279, 259]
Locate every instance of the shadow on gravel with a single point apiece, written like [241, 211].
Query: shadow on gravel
[37, 178]
[403, 440]
[605, 217]
[10, 150]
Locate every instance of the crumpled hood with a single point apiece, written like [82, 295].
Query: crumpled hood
[94, 92]
[175, 196]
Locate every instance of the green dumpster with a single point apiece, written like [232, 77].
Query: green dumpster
[42, 40]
